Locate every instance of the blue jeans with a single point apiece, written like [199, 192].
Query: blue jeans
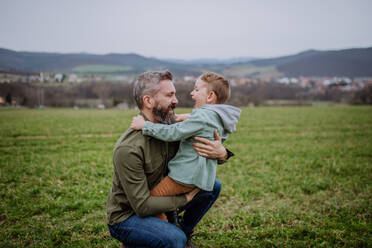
[154, 232]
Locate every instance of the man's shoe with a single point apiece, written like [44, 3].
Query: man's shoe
[189, 244]
[173, 218]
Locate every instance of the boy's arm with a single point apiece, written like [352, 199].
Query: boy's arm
[138, 122]
[175, 132]
[182, 117]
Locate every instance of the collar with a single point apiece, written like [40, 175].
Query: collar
[144, 116]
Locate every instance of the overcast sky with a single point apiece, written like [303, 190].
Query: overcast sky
[185, 29]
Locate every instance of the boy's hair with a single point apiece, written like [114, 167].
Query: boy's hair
[218, 84]
[148, 84]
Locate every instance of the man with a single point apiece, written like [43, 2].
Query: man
[140, 162]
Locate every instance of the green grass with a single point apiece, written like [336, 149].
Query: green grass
[301, 177]
[101, 68]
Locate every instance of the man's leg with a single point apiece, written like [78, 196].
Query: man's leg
[148, 232]
[198, 207]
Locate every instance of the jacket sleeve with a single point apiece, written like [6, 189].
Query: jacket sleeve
[129, 166]
[229, 155]
[175, 132]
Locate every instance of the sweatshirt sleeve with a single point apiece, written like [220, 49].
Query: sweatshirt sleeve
[175, 132]
[129, 167]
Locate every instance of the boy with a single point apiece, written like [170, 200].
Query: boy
[187, 169]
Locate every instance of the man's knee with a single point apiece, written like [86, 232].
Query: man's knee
[174, 238]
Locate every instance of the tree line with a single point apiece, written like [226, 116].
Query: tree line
[110, 94]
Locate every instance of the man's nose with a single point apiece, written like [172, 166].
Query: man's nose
[175, 100]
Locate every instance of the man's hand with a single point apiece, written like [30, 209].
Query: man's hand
[191, 194]
[138, 122]
[182, 117]
[211, 149]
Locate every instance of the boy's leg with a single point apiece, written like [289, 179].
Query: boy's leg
[148, 232]
[199, 206]
[168, 187]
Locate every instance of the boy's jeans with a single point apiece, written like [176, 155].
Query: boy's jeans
[153, 232]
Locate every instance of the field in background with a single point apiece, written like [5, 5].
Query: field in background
[249, 70]
[101, 68]
[301, 177]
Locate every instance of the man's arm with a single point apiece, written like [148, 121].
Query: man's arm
[129, 167]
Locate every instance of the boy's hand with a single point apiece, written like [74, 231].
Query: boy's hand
[138, 122]
[182, 117]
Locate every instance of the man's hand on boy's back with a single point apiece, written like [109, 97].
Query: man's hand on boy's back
[138, 122]
[210, 148]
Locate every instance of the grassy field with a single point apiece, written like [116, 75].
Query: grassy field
[301, 177]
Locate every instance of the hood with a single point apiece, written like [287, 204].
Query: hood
[228, 114]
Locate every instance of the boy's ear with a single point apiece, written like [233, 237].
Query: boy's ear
[212, 97]
[148, 101]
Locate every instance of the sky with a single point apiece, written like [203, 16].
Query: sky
[180, 29]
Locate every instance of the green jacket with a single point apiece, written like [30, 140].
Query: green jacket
[140, 162]
[187, 167]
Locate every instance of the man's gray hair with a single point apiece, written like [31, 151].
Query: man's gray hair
[148, 84]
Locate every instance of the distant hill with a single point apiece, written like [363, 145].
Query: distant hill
[349, 62]
[211, 61]
[87, 63]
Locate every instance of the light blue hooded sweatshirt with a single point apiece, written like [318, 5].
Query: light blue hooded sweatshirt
[187, 167]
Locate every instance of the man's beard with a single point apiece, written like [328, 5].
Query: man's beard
[164, 116]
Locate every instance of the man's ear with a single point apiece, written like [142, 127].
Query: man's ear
[148, 101]
[212, 97]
